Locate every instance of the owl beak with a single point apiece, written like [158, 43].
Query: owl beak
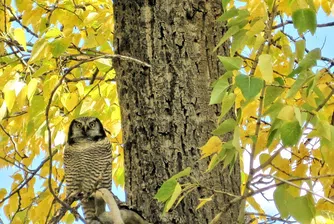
[85, 128]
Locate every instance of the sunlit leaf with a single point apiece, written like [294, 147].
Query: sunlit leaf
[212, 146]
[266, 68]
[19, 36]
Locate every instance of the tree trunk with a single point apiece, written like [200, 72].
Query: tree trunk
[166, 115]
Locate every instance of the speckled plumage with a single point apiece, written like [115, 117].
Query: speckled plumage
[87, 161]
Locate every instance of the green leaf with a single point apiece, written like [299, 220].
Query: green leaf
[218, 91]
[249, 86]
[282, 198]
[183, 173]
[103, 64]
[59, 46]
[271, 93]
[228, 14]
[231, 63]
[228, 102]
[300, 49]
[266, 67]
[227, 126]
[304, 19]
[274, 109]
[290, 133]
[231, 31]
[241, 20]
[302, 78]
[176, 193]
[166, 190]
[239, 41]
[302, 209]
[309, 61]
[225, 3]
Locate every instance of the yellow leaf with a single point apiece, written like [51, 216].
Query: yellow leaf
[9, 98]
[287, 113]
[39, 50]
[325, 6]
[254, 204]
[3, 110]
[212, 146]
[19, 36]
[32, 86]
[70, 100]
[3, 193]
[266, 68]
[203, 201]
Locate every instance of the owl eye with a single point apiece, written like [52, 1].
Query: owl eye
[79, 125]
[92, 124]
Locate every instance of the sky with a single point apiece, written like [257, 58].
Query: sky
[323, 39]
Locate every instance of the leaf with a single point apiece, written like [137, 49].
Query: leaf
[218, 91]
[231, 63]
[309, 61]
[166, 190]
[282, 198]
[38, 50]
[53, 32]
[249, 86]
[271, 93]
[9, 98]
[172, 199]
[224, 4]
[212, 146]
[103, 64]
[216, 159]
[287, 113]
[228, 102]
[300, 49]
[183, 173]
[231, 31]
[232, 12]
[203, 201]
[239, 41]
[304, 19]
[59, 46]
[290, 133]
[227, 126]
[264, 158]
[3, 110]
[32, 86]
[302, 209]
[3, 193]
[302, 78]
[20, 37]
[266, 68]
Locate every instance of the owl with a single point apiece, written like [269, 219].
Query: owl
[87, 162]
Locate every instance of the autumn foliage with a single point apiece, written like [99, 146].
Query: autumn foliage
[55, 65]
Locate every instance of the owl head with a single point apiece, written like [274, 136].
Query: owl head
[85, 128]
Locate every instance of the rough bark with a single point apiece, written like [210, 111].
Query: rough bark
[166, 115]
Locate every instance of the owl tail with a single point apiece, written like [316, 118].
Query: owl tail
[88, 206]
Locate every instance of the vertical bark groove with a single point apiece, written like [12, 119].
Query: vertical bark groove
[165, 112]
